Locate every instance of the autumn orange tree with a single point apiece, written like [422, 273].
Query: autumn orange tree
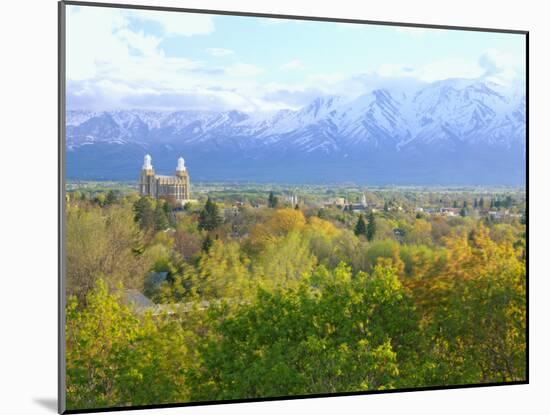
[473, 305]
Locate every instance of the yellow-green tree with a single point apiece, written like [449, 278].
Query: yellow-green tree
[333, 333]
[103, 243]
[117, 358]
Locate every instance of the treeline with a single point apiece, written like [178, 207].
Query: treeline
[297, 304]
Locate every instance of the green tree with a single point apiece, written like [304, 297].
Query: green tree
[222, 272]
[360, 226]
[284, 261]
[144, 212]
[333, 333]
[209, 217]
[103, 243]
[161, 221]
[100, 199]
[111, 197]
[371, 227]
[272, 200]
[207, 243]
[116, 358]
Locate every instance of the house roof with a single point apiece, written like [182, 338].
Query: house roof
[137, 299]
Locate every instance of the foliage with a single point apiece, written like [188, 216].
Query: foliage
[275, 302]
[115, 358]
[371, 227]
[272, 200]
[103, 244]
[360, 227]
[312, 339]
[209, 218]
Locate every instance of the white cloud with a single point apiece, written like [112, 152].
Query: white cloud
[433, 71]
[110, 64]
[292, 65]
[492, 63]
[176, 23]
[219, 52]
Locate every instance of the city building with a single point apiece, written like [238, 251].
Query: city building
[174, 189]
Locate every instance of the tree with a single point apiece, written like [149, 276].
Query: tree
[144, 212]
[281, 222]
[207, 243]
[161, 221]
[100, 199]
[222, 273]
[187, 243]
[360, 226]
[463, 212]
[334, 333]
[475, 203]
[371, 227]
[272, 200]
[284, 261]
[111, 197]
[209, 217]
[474, 303]
[465, 204]
[481, 203]
[103, 243]
[116, 358]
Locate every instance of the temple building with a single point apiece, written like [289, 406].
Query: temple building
[174, 189]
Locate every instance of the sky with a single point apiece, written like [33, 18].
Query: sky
[153, 60]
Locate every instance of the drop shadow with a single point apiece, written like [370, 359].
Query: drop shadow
[48, 403]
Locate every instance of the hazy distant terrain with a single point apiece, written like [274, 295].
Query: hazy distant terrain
[450, 132]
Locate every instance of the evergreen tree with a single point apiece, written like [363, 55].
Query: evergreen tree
[207, 243]
[465, 205]
[272, 200]
[475, 203]
[111, 197]
[209, 217]
[463, 212]
[144, 213]
[161, 221]
[361, 226]
[386, 206]
[481, 203]
[455, 204]
[371, 227]
[297, 207]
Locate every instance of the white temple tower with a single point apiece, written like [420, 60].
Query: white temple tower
[174, 189]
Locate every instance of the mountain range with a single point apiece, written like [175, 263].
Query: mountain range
[451, 132]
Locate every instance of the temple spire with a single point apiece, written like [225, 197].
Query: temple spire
[181, 164]
[147, 163]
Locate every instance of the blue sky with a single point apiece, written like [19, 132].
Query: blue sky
[166, 61]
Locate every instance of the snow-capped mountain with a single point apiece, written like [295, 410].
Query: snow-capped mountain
[449, 132]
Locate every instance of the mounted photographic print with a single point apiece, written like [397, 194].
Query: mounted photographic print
[258, 207]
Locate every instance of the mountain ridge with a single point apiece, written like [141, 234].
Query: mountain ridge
[456, 130]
